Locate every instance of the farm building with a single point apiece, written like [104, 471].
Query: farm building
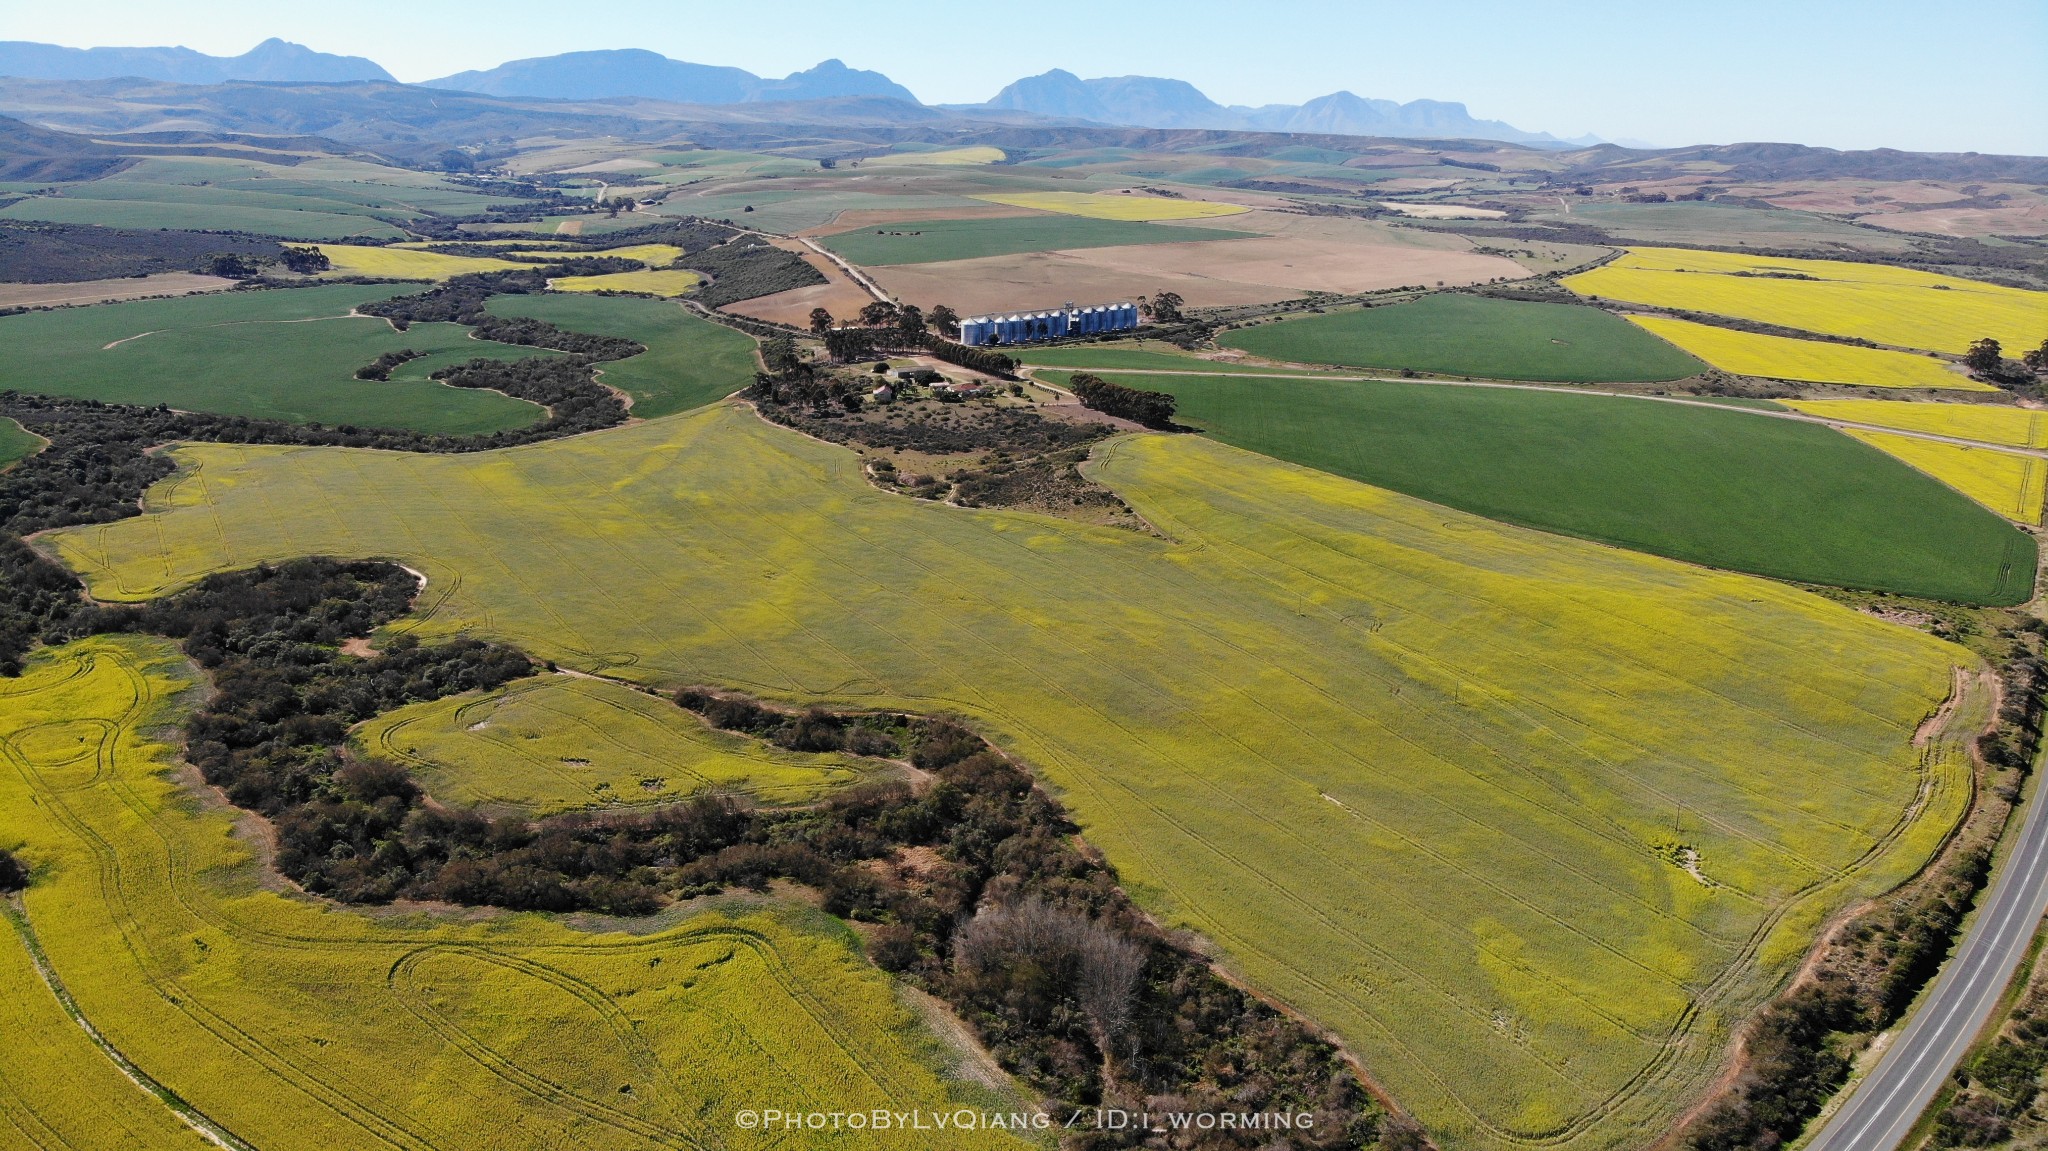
[1068, 320]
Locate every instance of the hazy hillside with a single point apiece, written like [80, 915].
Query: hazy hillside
[637, 72]
[1158, 102]
[273, 59]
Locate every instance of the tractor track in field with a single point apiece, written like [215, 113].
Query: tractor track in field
[208, 1129]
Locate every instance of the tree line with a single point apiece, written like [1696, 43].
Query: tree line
[1152, 409]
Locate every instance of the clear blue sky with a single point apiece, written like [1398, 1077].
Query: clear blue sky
[1936, 75]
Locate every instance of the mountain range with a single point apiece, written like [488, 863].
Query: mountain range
[273, 59]
[1155, 102]
[1123, 101]
[650, 75]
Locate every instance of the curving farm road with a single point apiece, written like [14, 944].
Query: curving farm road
[1883, 1108]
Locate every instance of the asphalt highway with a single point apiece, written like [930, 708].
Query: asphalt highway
[1883, 1108]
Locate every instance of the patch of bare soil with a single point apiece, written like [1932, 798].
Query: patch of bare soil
[1046, 279]
[109, 291]
[1296, 254]
[837, 295]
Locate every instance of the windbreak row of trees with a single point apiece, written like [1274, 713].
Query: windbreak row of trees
[1152, 409]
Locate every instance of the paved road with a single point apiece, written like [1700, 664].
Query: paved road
[1886, 1104]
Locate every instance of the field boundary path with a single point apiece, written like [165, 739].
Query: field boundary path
[852, 273]
[207, 1129]
[1801, 417]
[1883, 1109]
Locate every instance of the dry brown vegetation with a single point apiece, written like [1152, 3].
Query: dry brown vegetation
[107, 291]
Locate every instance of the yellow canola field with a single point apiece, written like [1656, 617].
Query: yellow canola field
[667, 282]
[1814, 361]
[1985, 423]
[558, 742]
[1116, 206]
[1876, 302]
[1416, 773]
[407, 263]
[2006, 482]
[57, 1090]
[296, 1024]
[521, 242]
[653, 255]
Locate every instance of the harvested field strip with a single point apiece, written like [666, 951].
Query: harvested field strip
[933, 241]
[1460, 335]
[2006, 482]
[1876, 302]
[554, 743]
[669, 282]
[1526, 729]
[688, 361]
[284, 355]
[294, 1026]
[949, 157]
[1109, 206]
[1985, 423]
[14, 295]
[1810, 361]
[1775, 497]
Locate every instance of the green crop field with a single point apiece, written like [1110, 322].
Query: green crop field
[17, 443]
[1727, 225]
[688, 362]
[293, 1025]
[559, 742]
[967, 239]
[1458, 335]
[1422, 775]
[323, 199]
[1155, 356]
[291, 224]
[1774, 497]
[283, 355]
